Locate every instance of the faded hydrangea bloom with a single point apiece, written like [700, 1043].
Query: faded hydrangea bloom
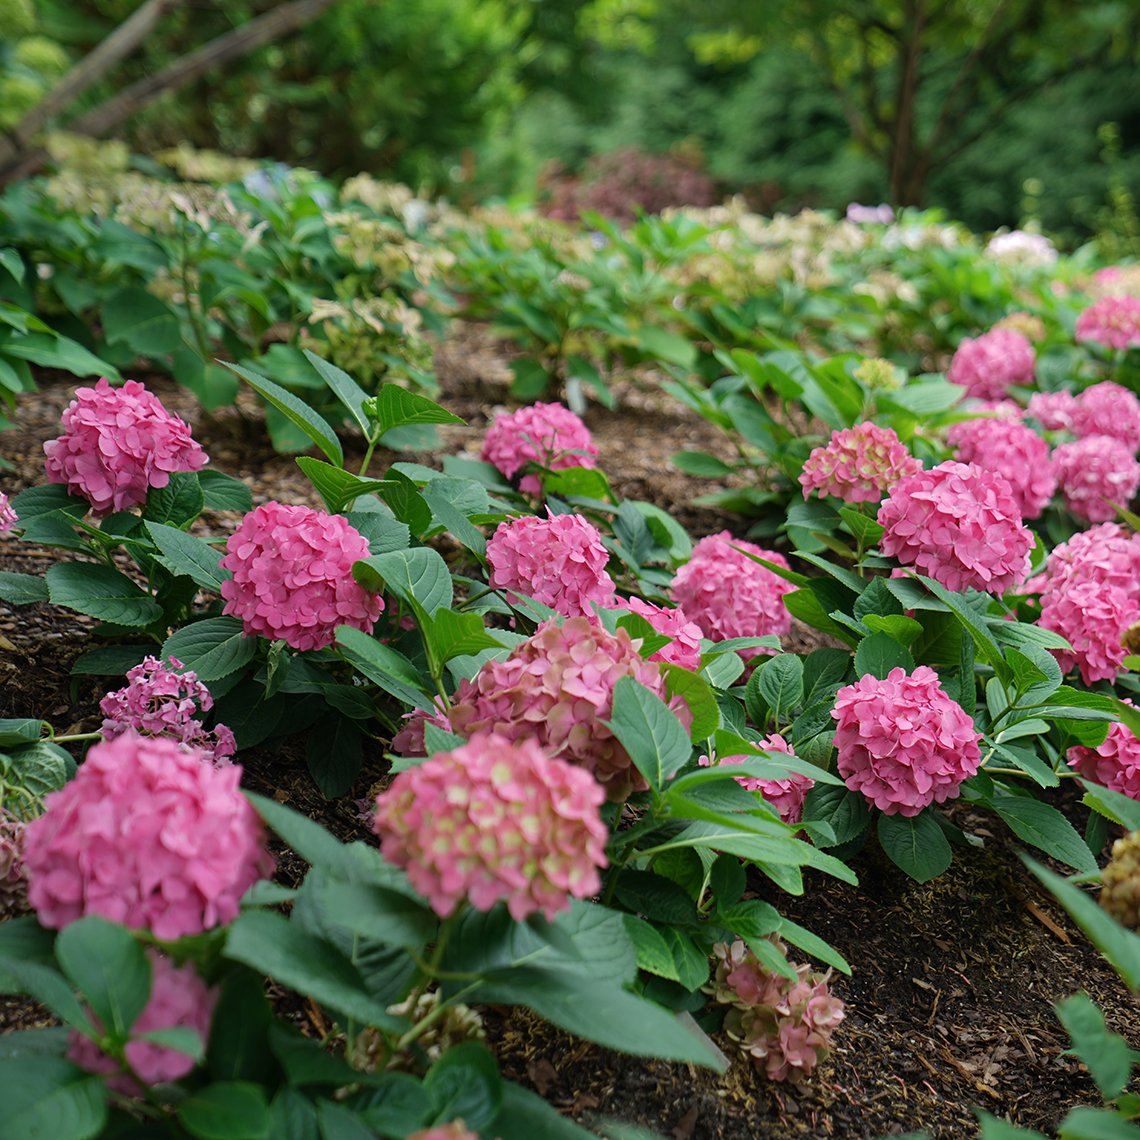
[1113, 322]
[1095, 472]
[453, 1130]
[450, 1026]
[549, 435]
[858, 465]
[1031, 327]
[13, 883]
[987, 366]
[1012, 450]
[879, 374]
[785, 793]
[1120, 893]
[8, 519]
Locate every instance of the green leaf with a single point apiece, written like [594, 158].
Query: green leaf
[666, 345]
[697, 694]
[239, 1044]
[845, 810]
[879, 653]
[22, 589]
[988, 648]
[102, 593]
[224, 493]
[780, 681]
[653, 953]
[449, 499]
[1116, 806]
[1046, 828]
[21, 731]
[394, 1104]
[866, 531]
[213, 648]
[110, 970]
[41, 767]
[297, 412]
[314, 843]
[903, 629]
[701, 464]
[993, 1128]
[350, 394]
[48, 1098]
[916, 844]
[418, 576]
[649, 730]
[186, 554]
[449, 634]
[336, 486]
[1085, 1123]
[226, 1110]
[1107, 1055]
[141, 321]
[179, 503]
[53, 351]
[383, 666]
[465, 1083]
[395, 407]
[334, 753]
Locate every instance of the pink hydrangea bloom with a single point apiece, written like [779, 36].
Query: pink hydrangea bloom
[559, 561]
[1012, 450]
[547, 434]
[729, 595]
[147, 834]
[292, 576]
[1095, 472]
[178, 999]
[1116, 281]
[496, 819]
[685, 648]
[786, 793]
[1115, 764]
[958, 524]
[785, 1026]
[158, 701]
[1108, 409]
[1054, 411]
[1113, 321]
[858, 465]
[117, 444]
[8, 519]
[13, 884]
[1092, 617]
[986, 366]
[453, 1130]
[1107, 554]
[902, 742]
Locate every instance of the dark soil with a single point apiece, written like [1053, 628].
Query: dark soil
[950, 1004]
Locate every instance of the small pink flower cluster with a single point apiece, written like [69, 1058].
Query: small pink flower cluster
[547, 434]
[292, 576]
[158, 701]
[8, 518]
[685, 648]
[1012, 450]
[1108, 409]
[13, 884]
[1115, 764]
[178, 999]
[958, 524]
[1053, 410]
[902, 742]
[146, 834]
[785, 793]
[1113, 321]
[728, 594]
[559, 561]
[1095, 472]
[783, 1025]
[858, 465]
[117, 444]
[986, 366]
[496, 819]
[453, 1130]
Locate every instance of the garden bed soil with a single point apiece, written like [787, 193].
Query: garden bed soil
[950, 1003]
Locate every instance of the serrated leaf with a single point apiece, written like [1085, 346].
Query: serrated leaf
[418, 576]
[141, 321]
[102, 593]
[22, 589]
[178, 503]
[1107, 1055]
[350, 394]
[879, 653]
[213, 648]
[1046, 828]
[224, 493]
[780, 681]
[649, 731]
[186, 554]
[915, 844]
[396, 407]
[48, 1098]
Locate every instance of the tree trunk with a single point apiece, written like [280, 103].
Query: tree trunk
[905, 188]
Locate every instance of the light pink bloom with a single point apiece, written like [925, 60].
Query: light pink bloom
[986, 366]
[117, 444]
[1053, 410]
[1108, 409]
[13, 883]
[728, 594]
[1115, 764]
[8, 519]
[178, 999]
[158, 701]
[858, 465]
[453, 1130]
[902, 742]
[685, 648]
[1113, 321]
[549, 435]
[1012, 450]
[1021, 248]
[958, 524]
[1107, 554]
[786, 793]
[559, 561]
[292, 576]
[147, 834]
[495, 820]
[1095, 472]
[1093, 618]
[880, 215]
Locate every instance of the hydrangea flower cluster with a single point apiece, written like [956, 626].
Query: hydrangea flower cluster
[13, 884]
[1030, 326]
[8, 518]
[729, 595]
[547, 434]
[1108, 409]
[958, 524]
[1012, 450]
[117, 444]
[1113, 321]
[158, 701]
[292, 576]
[785, 1026]
[452, 1130]
[1095, 472]
[178, 999]
[147, 834]
[1120, 879]
[785, 794]
[496, 819]
[902, 742]
[685, 648]
[1114, 764]
[986, 366]
[1019, 247]
[560, 561]
[858, 465]
[1054, 411]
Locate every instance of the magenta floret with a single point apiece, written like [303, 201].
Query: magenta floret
[685, 648]
[902, 742]
[8, 519]
[292, 576]
[1095, 472]
[547, 434]
[1113, 321]
[1114, 764]
[117, 444]
[1092, 617]
[858, 465]
[986, 366]
[147, 834]
[1012, 450]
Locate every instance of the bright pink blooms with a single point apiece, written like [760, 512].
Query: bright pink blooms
[147, 834]
[902, 742]
[1115, 764]
[13, 885]
[8, 519]
[497, 819]
[986, 366]
[559, 561]
[958, 524]
[785, 793]
[549, 435]
[1108, 409]
[685, 648]
[178, 999]
[1012, 450]
[117, 444]
[1113, 321]
[292, 576]
[858, 465]
[158, 701]
[1053, 410]
[728, 594]
[1095, 472]
[785, 1026]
